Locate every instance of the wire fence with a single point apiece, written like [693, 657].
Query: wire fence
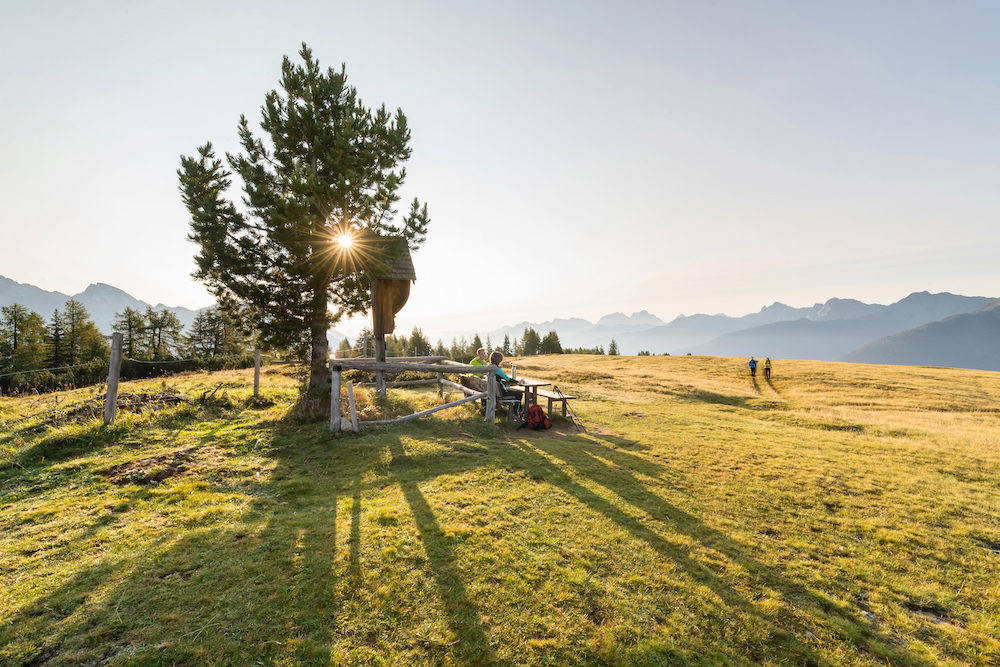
[95, 371]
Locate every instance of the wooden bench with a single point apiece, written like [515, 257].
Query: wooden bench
[551, 395]
[475, 385]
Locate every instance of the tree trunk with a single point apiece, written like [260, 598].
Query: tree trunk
[319, 371]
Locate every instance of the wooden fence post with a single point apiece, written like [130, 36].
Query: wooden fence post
[350, 406]
[256, 373]
[334, 398]
[114, 369]
[380, 374]
[491, 398]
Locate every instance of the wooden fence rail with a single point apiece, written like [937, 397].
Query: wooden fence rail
[437, 365]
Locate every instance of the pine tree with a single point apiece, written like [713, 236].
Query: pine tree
[56, 341]
[418, 344]
[84, 342]
[330, 169]
[507, 350]
[530, 342]
[163, 334]
[550, 344]
[213, 334]
[22, 339]
[344, 350]
[613, 347]
[130, 324]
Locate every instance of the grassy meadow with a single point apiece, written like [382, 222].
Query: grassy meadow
[837, 514]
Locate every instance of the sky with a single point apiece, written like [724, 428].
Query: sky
[577, 158]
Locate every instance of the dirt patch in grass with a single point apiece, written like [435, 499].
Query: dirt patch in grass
[151, 470]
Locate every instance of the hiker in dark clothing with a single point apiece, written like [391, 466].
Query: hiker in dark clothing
[753, 367]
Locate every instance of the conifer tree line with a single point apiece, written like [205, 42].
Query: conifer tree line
[68, 350]
[461, 349]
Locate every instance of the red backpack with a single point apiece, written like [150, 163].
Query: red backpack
[537, 419]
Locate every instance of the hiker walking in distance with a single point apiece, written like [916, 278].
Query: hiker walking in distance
[753, 367]
[767, 368]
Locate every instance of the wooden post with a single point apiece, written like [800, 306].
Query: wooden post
[114, 369]
[380, 374]
[364, 353]
[491, 398]
[440, 384]
[256, 373]
[334, 398]
[350, 405]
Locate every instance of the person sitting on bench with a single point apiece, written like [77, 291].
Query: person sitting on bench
[503, 379]
[480, 360]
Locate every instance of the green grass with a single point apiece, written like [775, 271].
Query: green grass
[836, 515]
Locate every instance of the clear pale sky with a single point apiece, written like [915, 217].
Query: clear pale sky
[673, 156]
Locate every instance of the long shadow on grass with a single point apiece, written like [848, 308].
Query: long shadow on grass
[590, 459]
[463, 614]
[250, 586]
[273, 583]
[268, 583]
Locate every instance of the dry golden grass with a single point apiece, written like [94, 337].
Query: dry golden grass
[839, 514]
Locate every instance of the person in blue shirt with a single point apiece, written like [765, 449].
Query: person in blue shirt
[495, 359]
[753, 367]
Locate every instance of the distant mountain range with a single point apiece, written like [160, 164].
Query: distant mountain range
[101, 301]
[922, 329]
[968, 340]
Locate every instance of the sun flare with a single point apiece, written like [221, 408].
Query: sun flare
[344, 241]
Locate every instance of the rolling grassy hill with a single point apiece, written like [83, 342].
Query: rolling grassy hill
[838, 514]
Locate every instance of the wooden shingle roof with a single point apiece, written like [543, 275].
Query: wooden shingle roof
[399, 264]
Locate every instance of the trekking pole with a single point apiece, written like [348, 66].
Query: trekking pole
[566, 403]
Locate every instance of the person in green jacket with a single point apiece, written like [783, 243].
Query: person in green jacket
[480, 360]
[767, 368]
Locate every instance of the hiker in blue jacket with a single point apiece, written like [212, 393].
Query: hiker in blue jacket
[503, 379]
[753, 367]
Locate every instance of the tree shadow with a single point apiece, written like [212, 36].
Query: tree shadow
[463, 614]
[266, 585]
[590, 459]
[272, 585]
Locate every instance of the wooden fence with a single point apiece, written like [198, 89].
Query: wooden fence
[440, 366]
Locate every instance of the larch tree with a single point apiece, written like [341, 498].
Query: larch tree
[319, 197]
[83, 340]
[56, 340]
[22, 338]
[163, 333]
[131, 324]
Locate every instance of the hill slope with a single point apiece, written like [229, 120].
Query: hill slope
[969, 340]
